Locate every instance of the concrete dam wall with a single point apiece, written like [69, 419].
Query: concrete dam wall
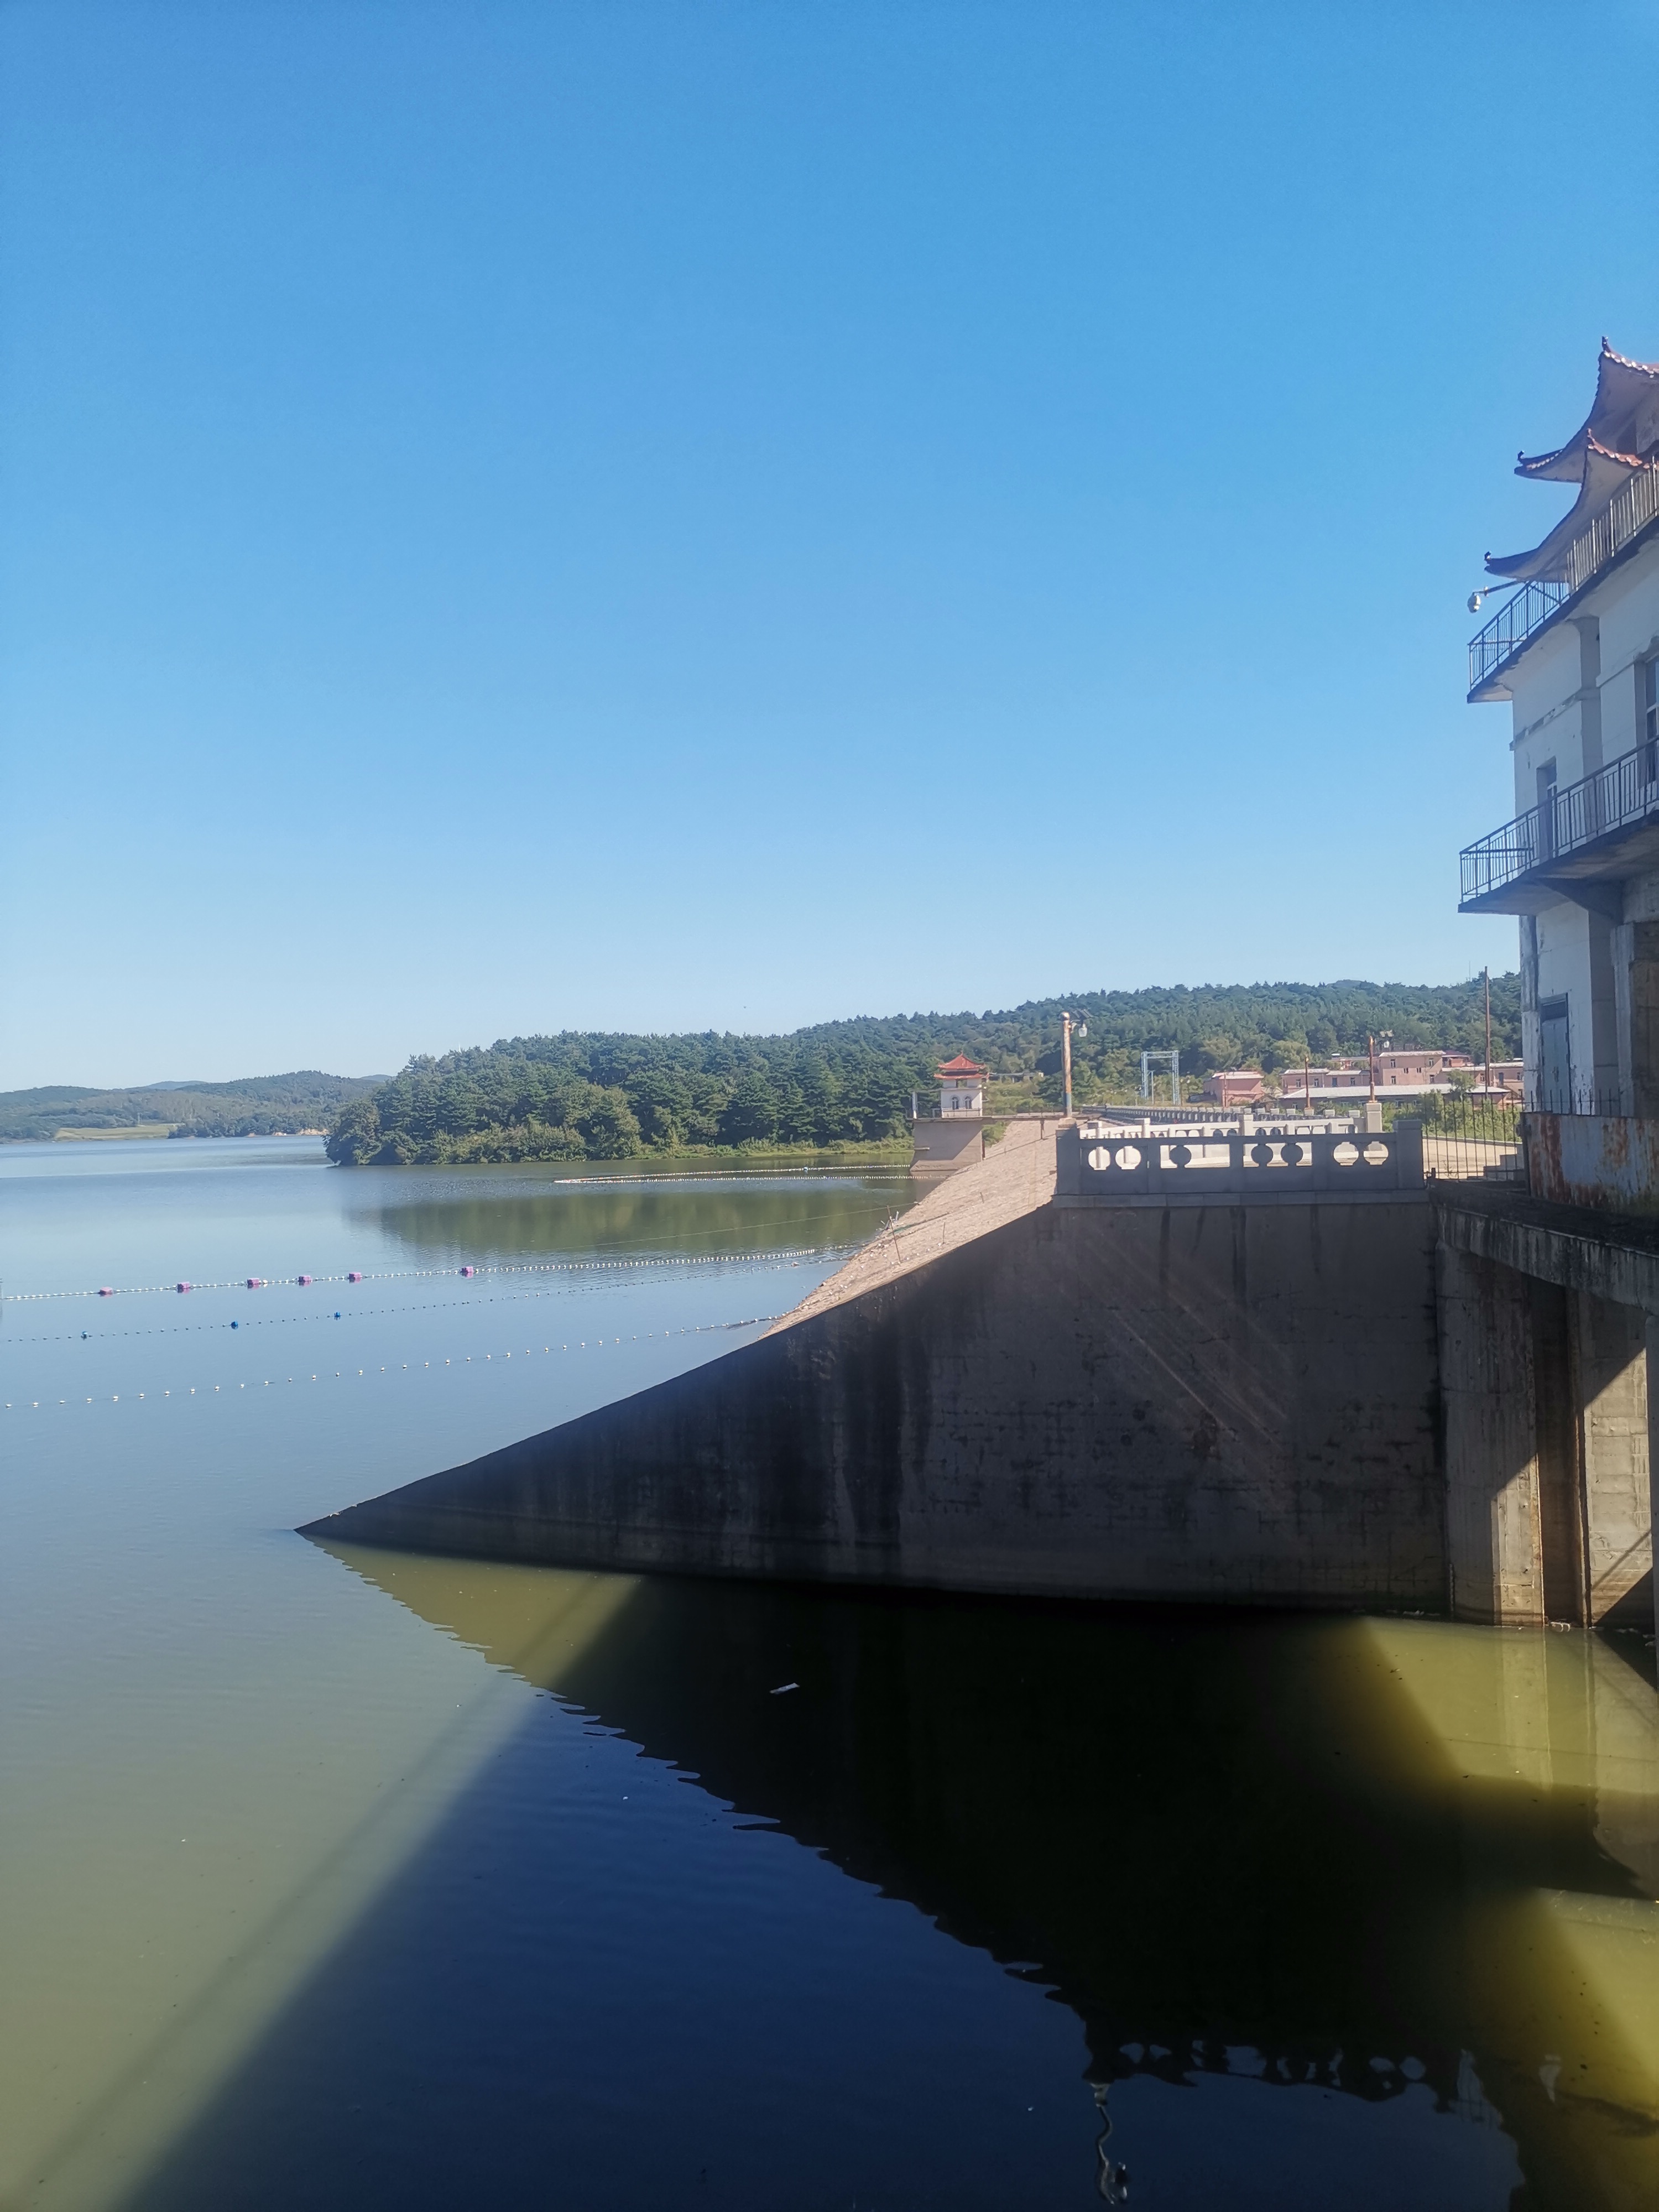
[1206, 1400]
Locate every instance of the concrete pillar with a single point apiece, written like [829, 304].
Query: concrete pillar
[1557, 1439]
[1607, 1048]
[1588, 627]
[1530, 1047]
[1610, 1385]
[1599, 1069]
[1493, 1530]
[1636, 973]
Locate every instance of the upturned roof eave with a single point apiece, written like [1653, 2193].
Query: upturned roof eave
[1619, 383]
[1604, 471]
[1495, 684]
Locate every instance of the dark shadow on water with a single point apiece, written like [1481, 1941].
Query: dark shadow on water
[1218, 1841]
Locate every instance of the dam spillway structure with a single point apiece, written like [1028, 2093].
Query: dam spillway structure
[1238, 1369]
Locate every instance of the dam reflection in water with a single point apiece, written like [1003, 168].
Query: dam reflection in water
[535, 1211]
[1322, 1911]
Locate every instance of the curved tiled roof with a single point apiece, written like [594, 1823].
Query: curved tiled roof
[1620, 434]
[1604, 470]
[1621, 386]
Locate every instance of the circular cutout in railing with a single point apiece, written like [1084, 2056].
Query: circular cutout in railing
[1345, 1154]
[1376, 1153]
[1100, 1159]
[1181, 1155]
[1129, 1156]
[1292, 1154]
[1263, 1154]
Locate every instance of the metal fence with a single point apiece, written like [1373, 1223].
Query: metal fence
[1632, 507]
[1620, 796]
[1577, 1098]
[1516, 620]
[1472, 1139]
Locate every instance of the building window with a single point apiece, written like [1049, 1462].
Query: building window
[1650, 720]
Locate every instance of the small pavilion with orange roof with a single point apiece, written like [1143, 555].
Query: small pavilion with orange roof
[955, 1136]
[961, 1085]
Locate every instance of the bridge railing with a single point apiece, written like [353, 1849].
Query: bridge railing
[1098, 1161]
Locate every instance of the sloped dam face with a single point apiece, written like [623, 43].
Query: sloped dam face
[1218, 1402]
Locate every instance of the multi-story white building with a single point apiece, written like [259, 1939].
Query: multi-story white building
[1575, 650]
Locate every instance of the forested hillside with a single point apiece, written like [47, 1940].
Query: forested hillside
[252, 1106]
[596, 1096]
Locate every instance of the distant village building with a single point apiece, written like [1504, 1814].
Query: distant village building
[1575, 652]
[1399, 1074]
[1235, 1086]
[1508, 1080]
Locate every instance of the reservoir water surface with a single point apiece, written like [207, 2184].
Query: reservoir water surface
[340, 1878]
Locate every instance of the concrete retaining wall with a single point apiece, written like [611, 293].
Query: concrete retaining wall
[1207, 1402]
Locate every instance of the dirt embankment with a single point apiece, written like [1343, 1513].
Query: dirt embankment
[1016, 1176]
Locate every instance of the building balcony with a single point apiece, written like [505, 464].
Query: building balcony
[1579, 845]
[1627, 519]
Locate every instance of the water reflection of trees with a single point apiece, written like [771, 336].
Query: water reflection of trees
[1222, 1841]
[636, 1217]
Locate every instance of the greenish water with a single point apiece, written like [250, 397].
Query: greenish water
[340, 1878]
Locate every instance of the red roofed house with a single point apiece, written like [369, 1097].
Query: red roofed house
[954, 1138]
[961, 1086]
[1235, 1086]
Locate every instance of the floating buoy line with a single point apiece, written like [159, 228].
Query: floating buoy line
[433, 1274]
[454, 1365]
[356, 1313]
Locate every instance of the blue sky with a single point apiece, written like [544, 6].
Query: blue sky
[634, 516]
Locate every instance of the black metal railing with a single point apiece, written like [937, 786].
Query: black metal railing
[1620, 796]
[1521, 617]
[1632, 507]
[1605, 1104]
[1469, 1139]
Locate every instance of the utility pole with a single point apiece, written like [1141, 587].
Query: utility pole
[1486, 974]
[1066, 1059]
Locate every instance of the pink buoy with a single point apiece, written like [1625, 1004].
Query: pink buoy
[302, 1281]
[256, 1282]
[181, 1286]
[106, 1292]
[469, 1270]
[354, 1277]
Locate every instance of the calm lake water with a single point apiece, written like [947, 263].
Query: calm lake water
[348, 1879]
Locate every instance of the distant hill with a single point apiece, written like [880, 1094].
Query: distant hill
[581, 1096]
[251, 1106]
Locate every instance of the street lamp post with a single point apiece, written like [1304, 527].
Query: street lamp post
[1065, 1055]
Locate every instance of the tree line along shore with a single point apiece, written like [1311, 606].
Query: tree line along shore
[846, 1088]
[840, 1088]
[252, 1106]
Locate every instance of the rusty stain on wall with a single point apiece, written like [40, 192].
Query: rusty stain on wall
[1593, 1159]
